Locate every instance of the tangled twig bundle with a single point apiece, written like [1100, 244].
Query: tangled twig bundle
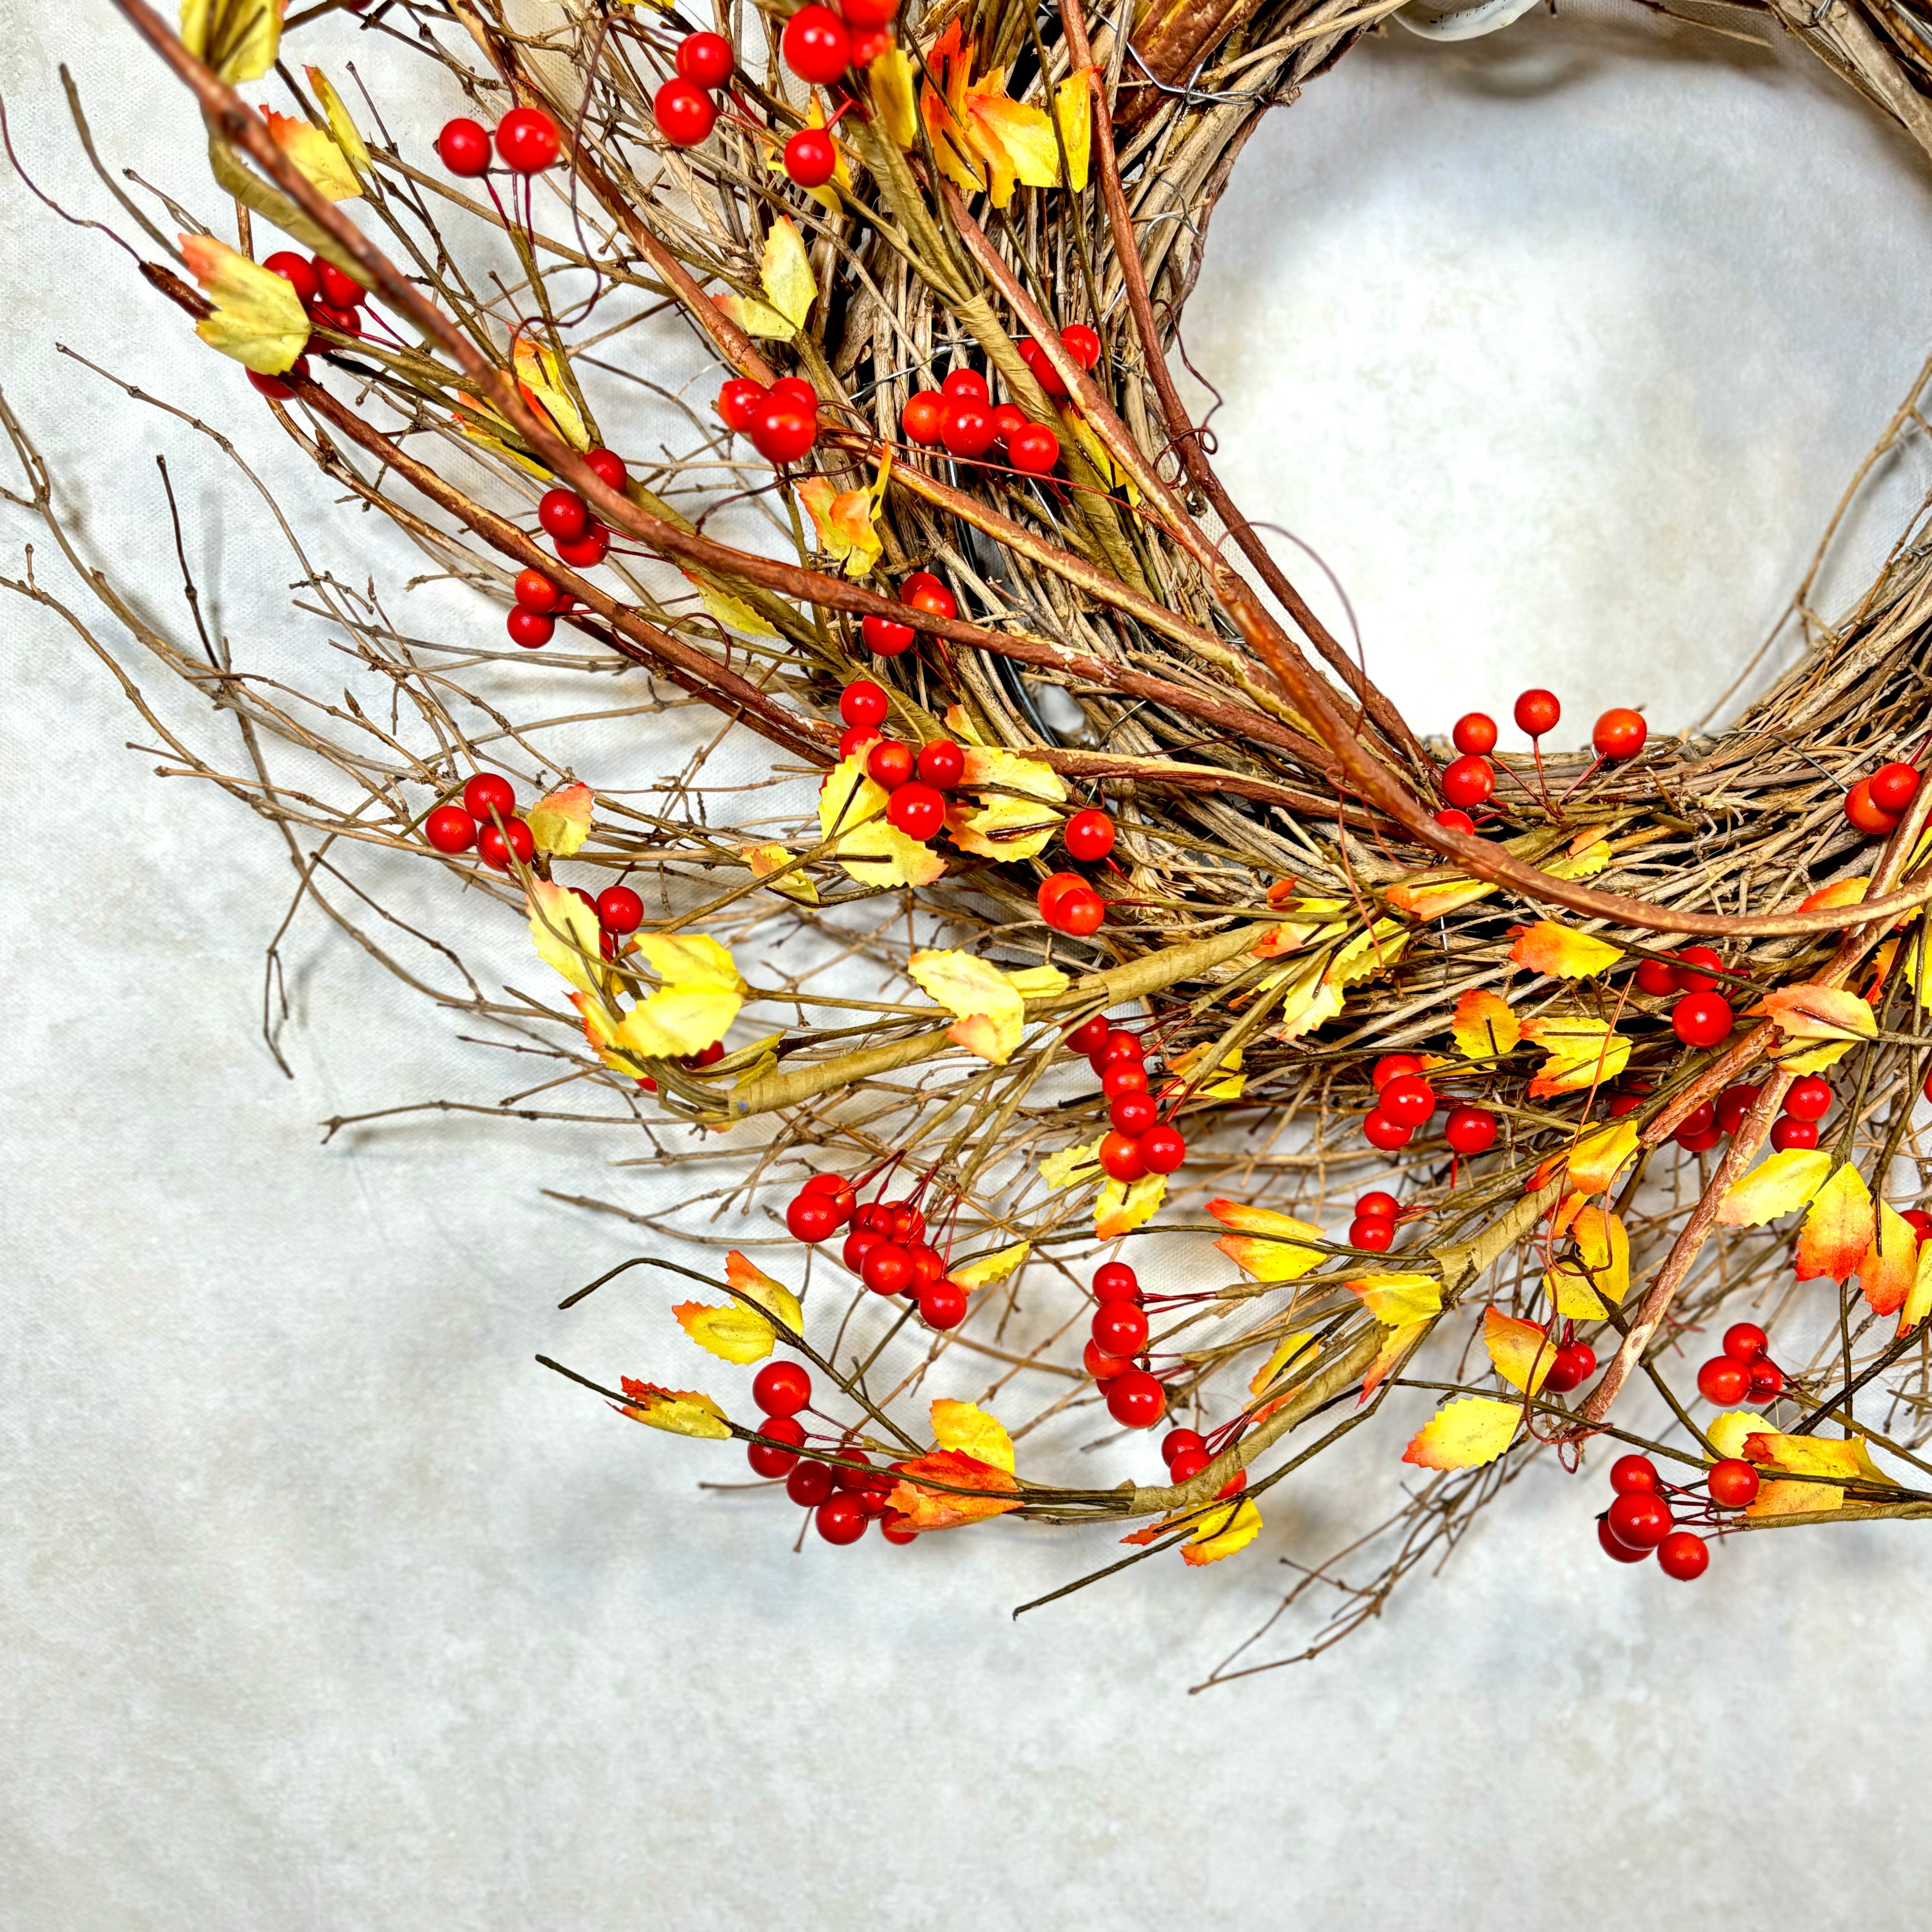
[1169, 924]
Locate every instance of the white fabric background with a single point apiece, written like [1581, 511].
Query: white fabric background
[321, 1607]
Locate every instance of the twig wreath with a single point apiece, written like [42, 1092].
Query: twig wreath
[1181, 932]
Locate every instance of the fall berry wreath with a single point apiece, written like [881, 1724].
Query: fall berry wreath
[1170, 930]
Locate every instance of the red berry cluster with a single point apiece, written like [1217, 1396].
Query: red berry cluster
[1703, 1017]
[1067, 903]
[1138, 1142]
[843, 1501]
[532, 619]
[685, 110]
[1405, 1101]
[1186, 1453]
[1806, 1101]
[1373, 1228]
[1134, 1398]
[1471, 779]
[620, 912]
[486, 819]
[781, 420]
[961, 415]
[1744, 1372]
[915, 782]
[1079, 341]
[1640, 1519]
[579, 540]
[888, 1250]
[1876, 804]
[821, 1208]
[527, 142]
[1574, 1364]
[886, 637]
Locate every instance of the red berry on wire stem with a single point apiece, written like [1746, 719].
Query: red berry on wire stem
[487, 793]
[1639, 1519]
[862, 702]
[1372, 1232]
[1133, 1113]
[1385, 1206]
[1451, 820]
[1722, 1380]
[1393, 1066]
[781, 1457]
[450, 828]
[1105, 1368]
[1865, 814]
[815, 46]
[890, 763]
[1120, 1328]
[1630, 1475]
[1536, 712]
[495, 848]
[919, 420]
[705, 59]
[1732, 1482]
[738, 402]
[841, 1519]
[463, 148]
[1089, 836]
[530, 629]
[809, 1484]
[528, 141]
[1469, 781]
[1115, 1281]
[1120, 1156]
[942, 1304]
[810, 159]
[942, 764]
[1380, 1131]
[886, 637]
[1808, 1098]
[1162, 1148]
[1684, 1555]
[1181, 1441]
[1475, 734]
[917, 810]
[1134, 1400]
[1620, 734]
[1892, 787]
[1470, 1130]
[1767, 1382]
[1702, 1019]
[1607, 1539]
[1788, 1135]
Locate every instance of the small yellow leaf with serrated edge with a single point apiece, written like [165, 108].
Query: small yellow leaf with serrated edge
[745, 1277]
[1000, 826]
[786, 274]
[766, 860]
[972, 1431]
[1583, 1053]
[1519, 1351]
[1285, 1352]
[1120, 1210]
[1890, 1266]
[682, 1412]
[989, 1009]
[560, 823]
[315, 152]
[568, 937]
[1223, 1530]
[348, 136]
[1071, 1164]
[987, 1269]
[1728, 1432]
[1485, 1027]
[258, 319]
[1597, 1158]
[699, 1000]
[733, 1333]
[851, 810]
[1838, 1227]
[1918, 1303]
[1820, 1013]
[238, 38]
[1786, 1181]
[844, 520]
[1560, 954]
[1073, 107]
[1399, 1301]
[733, 613]
[1465, 1434]
[540, 375]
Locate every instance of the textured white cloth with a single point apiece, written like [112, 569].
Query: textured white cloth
[321, 1607]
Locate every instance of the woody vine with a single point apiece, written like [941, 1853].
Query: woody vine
[1534, 1100]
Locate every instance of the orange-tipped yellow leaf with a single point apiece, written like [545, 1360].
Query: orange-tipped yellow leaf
[989, 1007]
[1785, 1181]
[1918, 1303]
[1485, 1027]
[1396, 1344]
[1434, 896]
[1465, 1434]
[851, 812]
[987, 1269]
[746, 1278]
[1073, 107]
[1583, 1053]
[258, 318]
[1264, 1243]
[1820, 1013]
[682, 1412]
[315, 154]
[970, 1430]
[766, 860]
[943, 1509]
[1121, 1209]
[1519, 1351]
[348, 136]
[1597, 1158]
[1222, 1530]
[1555, 950]
[1890, 1267]
[733, 1333]
[567, 936]
[560, 823]
[1399, 1301]
[1838, 1227]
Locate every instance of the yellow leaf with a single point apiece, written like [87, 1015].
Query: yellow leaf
[1820, 1013]
[1560, 954]
[1377, 950]
[561, 822]
[698, 1001]
[766, 860]
[1015, 142]
[1485, 1027]
[568, 937]
[259, 319]
[1519, 1351]
[733, 1332]
[1072, 1163]
[1589, 853]
[1039, 983]
[945, 1509]
[1222, 1530]
[315, 154]
[682, 1412]
[238, 38]
[1815, 1060]
[1603, 1245]
[990, 1268]
[600, 1030]
[1399, 1301]
[1918, 1303]
[1466, 1434]
[1436, 894]
[1728, 1433]
[970, 1430]
[1266, 1244]
[1071, 107]
[1120, 1210]
[732, 612]
[1286, 1351]
[1583, 1053]
[541, 376]
[1396, 1344]
[1837, 1227]
[1570, 1293]
[1785, 1181]
[1889, 1268]
[348, 137]
[1595, 1159]
[755, 318]
[871, 851]
[1309, 1001]
[846, 531]
[891, 77]
[987, 829]
[989, 1009]
[691, 958]
[786, 273]
[746, 1278]
[1846, 1460]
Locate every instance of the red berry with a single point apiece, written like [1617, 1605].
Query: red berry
[1620, 734]
[563, 513]
[1700, 1121]
[1701, 1019]
[1189, 1463]
[1722, 1380]
[705, 59]
[889, 764]
[343, 321]
[1640, 1520]
[862, 702]
[1469, 781]
[1123, 1076]
[1115, 1281]
[886, 637]
[1536, 712]
[782, 1388]
[739, 403]
[1372, 1232]
[1079, 912]
[1767, 1382]
[1392, 1066]
[1732, 1482]
[942, 1304]
[1181, 1441]
[1163, 1149]
[835, 1185]
[1385, 1207]
[810, 158]
[1081, 343]
[1919, 1222]
[966, 428]
[782, 432]
[530, 628]
[812, 1218]
[1379, 1131]
[924, 592]
[1892, 787]
[450, 828]
[965, 385]
[1121, 1157]
[273, 387]
[608, 467]
[1607, 1538]
[527, 138]
[1120, 1328]
[1008, 421]
[1121, 1042]
[917, 810]
[494, 847]
[896, 1526]
[1133, 1113]
[815, 46]
[1787, 1135]
[809, 1484]
[487, 793]
[1090, 1035]
[1657, 977]
[535, 591]
[1044, 372]
[620, 909]
[1089, 836]
[1105, 1368]
[841, 1519]
[1808, 1098]
[1864, 812]
[771, 1459]
[1575, 1363]
[299, 273]
[1470, 1130]
[1629, 1474]
[338, 290]
[1690, 981]
[1052, 889]
[1033, 450]
[1684, 1555]
[887, 1269]
[855, 738]
[1475, 734]
[1134, 1400]
[942, 764]
[868, 15]
[1408, 1099]
[1451, 820]
[1733, 1105]
[463, 148]
[920, 419]
[587, 552]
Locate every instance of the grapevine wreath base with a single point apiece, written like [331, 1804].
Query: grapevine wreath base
[1491, 1080]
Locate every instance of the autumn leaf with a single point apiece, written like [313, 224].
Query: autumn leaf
[1596, 1159]
[1820, 1013]
[987, 1269]
[1583, 1053]
[987, 829]
[1284, 1351]
[1519, 1351]
[990, 1011]
[891, 77]
[971, 1431]
[1120, 1209]
[1227, 1088]
[600, 1030]
[699, 999]
[1918, 1303]
[732, 1332]
[567, 937]
[785, 272]
[767, 860]
[258, 318]
[682, 1412]
[732, 613]
[560, 822]
[1264, 1243]
[1839, 1462]
[348, 136]
[1485, 1027]
[1399, 1301]
[238, 38]
[1728, 1432]
[1072, 108]
[756, 318]
[1589, 853]
[745, 1277]
[1814, 1059]
[1465, 1434]
[847, 531]
[1223, 1530]
[1436, 894]
[1557, 952]
[315, 154]
[540, 377]
[1838, 1227]
[940, 1509]
[1071, 1164]
[1785, 1181]
[981, 138]
[851, 818]
[1600, 1266]
[1396, 1344]
[1890, 1268]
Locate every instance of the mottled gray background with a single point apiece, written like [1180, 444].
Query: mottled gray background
[321, 1607]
